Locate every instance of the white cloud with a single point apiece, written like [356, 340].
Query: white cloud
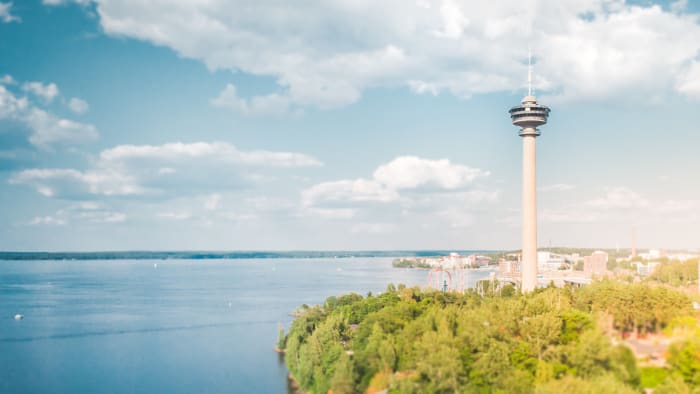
[679, 5]
[7, 80]
[103, 217]
[46, 220]
[159, 170]
[410, 172]
[212, 202]
[73, 183]
[318, 56]
[688, 81]
[11, 106]
[77, 105]
[454, 21]
[45, 91]
[557, 187]
[408, 187]
[60, 2]
[619, 198]
[6, 15]
[349, 190]
[49, 130]
[175, 215]
[86, 212]
[46, 129]
[402, 173]
[214, 151]
[272, 104]
[228, 98]
[329, 213]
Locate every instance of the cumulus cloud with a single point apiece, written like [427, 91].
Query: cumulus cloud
[679, 5]
[156, 170]
[45, 91]
[272, 104]
[410, 172]
[688, 82]
[77, 105]
[407, 186]
[11, 106]
[49, 130]
[587, 49]
[6, 15]
[46, 130]
[402, 173]
[7, 80]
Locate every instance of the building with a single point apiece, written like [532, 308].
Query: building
[653, 254]
[547, 261]
[646, 269]
[595, 265]
[508, 269]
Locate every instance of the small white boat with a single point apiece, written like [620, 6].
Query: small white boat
[19, 317]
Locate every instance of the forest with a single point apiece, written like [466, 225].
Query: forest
[552, 340]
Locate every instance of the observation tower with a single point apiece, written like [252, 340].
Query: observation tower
[529, 115]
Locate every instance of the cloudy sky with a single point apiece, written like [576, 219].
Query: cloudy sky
[229, 125]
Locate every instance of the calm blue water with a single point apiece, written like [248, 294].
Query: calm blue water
[187, 326]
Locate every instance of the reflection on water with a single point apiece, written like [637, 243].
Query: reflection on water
[181, 327]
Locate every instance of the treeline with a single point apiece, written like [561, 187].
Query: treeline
[412, 341]
[409, 263]
[676, 273]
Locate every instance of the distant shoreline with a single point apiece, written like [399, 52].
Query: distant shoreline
[209, 255]
[273, 254]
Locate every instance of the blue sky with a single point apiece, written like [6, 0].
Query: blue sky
[344, 125]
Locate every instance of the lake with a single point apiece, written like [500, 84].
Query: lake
[176, 326]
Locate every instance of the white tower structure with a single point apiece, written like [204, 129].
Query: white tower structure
[528, 116]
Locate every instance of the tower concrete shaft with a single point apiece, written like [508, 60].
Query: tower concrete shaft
[529, 115]
[529, 252]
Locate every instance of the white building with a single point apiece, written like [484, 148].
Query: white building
[646, 269]
[548, 261]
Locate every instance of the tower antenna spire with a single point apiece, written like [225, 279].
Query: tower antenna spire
[529, 71]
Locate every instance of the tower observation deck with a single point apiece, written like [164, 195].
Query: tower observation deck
[529, 115]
